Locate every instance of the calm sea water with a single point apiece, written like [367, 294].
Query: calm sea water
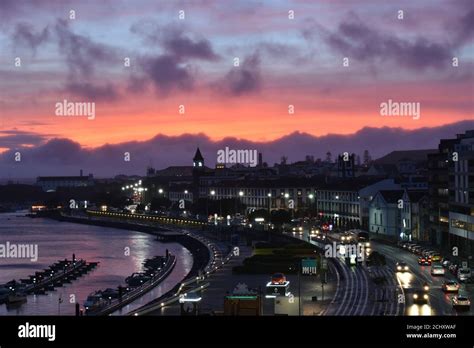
[58, 240]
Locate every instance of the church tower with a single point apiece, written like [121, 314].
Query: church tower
[198, 170]
[198, 160]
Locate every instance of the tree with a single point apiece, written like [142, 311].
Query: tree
[160, 203]
[329, 157]
[280, 217]
[367, 158]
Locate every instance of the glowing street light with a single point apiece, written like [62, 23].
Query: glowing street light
[185, 192]
[287, 195]
[213, 193]
[241, 193]
[160, 190]
[269, 194]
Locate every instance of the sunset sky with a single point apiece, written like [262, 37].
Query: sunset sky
[190, 62]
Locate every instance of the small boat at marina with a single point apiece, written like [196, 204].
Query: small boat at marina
[94, 301]
[16, 299]
[110, 293]
[4, 293]
[137, 279]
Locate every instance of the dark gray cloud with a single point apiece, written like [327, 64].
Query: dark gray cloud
[25, 35]
[166, 73]
[82, 54]
[63, 156]
[355, 39]
[175, 41]
[244, 79]
[172, 69]
[183, 47]
[465, 32]
[12, 139]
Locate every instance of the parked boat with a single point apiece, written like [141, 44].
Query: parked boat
[4, 293]
[94, 301]
[137, 279]
[16, 298]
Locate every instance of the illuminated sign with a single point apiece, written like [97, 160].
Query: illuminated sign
[308, 266]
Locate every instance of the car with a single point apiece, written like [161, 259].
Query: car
[424, 261]
[420, 296]
[411, 246]
[401, 267]
[424, 252]
[298, 229]
[450, 286]
[278, 279]
[418, 250]
[437, 269]
[461, 302]
[436, 257]
[464, 274]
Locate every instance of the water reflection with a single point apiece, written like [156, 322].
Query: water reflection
[105, 245]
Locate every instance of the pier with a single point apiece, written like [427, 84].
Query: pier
[139, 291]
[59, 273]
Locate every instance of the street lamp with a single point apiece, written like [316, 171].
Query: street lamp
[287, 195]
[160, 190]
[241, 193]
[185, 192]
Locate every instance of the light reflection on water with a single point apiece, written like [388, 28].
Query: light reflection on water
[58, 240]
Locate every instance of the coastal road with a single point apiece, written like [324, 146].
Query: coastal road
[354, 294]
[439, 302]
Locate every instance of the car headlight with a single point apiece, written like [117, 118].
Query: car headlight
[415, 296]
[399, 268]
[406, 268]
[367, 245]
[425, 296]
